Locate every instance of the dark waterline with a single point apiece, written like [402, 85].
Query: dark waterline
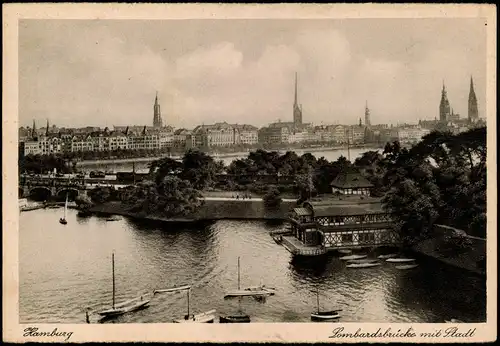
[66, 269]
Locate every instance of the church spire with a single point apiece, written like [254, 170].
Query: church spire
[47, 128]
[444, 106]
[297, 110]
[33, 131]
[473, 113]
[157, 121]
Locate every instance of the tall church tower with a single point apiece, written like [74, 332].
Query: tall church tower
[34, 135]
[297, 109]
[444, 106]
[473, 113]
[157, 121]
[367, 115]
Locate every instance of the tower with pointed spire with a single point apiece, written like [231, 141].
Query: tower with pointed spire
[34, 135]
[444, 106]
[367, 115]
[473, 113]
[47, 129]
[157, 121]
[297, 109]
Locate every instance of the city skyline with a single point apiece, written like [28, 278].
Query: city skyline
[104, 74]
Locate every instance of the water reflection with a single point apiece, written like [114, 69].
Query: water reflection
[57, 285]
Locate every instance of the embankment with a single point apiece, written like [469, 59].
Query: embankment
[471, 258]
[211, 210]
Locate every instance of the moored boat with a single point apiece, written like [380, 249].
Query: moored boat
[238, 318]
[345, 251]
[253, 291]
[204, 317]
[400, 260]
[124, 307]
[392, 255]
[324, 316]
[363, 265]
[352, 257]
[365, 260]
[407, 266]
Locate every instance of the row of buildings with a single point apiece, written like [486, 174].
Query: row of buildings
[50, 140]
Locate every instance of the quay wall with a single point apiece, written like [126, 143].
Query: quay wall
[472, 259]
[211, 210]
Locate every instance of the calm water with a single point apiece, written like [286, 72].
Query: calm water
[65, 269]
[330, 155]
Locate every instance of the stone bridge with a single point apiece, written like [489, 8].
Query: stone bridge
[43, 189]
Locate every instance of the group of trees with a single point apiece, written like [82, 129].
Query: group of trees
[43, 163]
[441, 179]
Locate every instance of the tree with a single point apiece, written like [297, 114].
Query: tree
[272, 199]
[199, 169]
[101, 195]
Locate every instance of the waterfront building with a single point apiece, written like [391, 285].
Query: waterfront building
[215, 135]
[473, 113]
[276, 133]
[245, 134]
[352, 219]
[183, 139]
[82, 143]
[350, 182]
[30, 147]
[410, 134]
[340, 134]
[357, 133]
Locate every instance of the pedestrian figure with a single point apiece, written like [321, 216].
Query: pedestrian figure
[237, 197]
[87, 319]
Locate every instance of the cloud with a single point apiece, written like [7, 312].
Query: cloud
[91, 73]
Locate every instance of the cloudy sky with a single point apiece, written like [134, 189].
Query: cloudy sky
[105, 73]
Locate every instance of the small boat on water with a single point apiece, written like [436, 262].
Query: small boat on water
[63, 219]
[407, 266]
[324, 316]
[392, 255]
[400, 260]
[352, 257]
[345, 251]
[237, 318]
[122, 308]
[365, 260]
[254, 291]
[363, 265]
[204, 317]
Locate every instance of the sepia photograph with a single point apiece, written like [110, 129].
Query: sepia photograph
[256, 169]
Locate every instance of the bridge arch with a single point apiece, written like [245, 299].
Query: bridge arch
[40, 193]
[70, 191]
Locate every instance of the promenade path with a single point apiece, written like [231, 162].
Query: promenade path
[208, 198]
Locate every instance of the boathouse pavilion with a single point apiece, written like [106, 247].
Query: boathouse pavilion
[349, 219]
[350, 182]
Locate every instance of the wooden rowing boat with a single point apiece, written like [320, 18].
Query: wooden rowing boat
[392, 255]
[407, 266]
[400, 260]
[352, 257]
[363, 265]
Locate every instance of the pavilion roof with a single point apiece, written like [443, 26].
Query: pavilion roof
[350, 179]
